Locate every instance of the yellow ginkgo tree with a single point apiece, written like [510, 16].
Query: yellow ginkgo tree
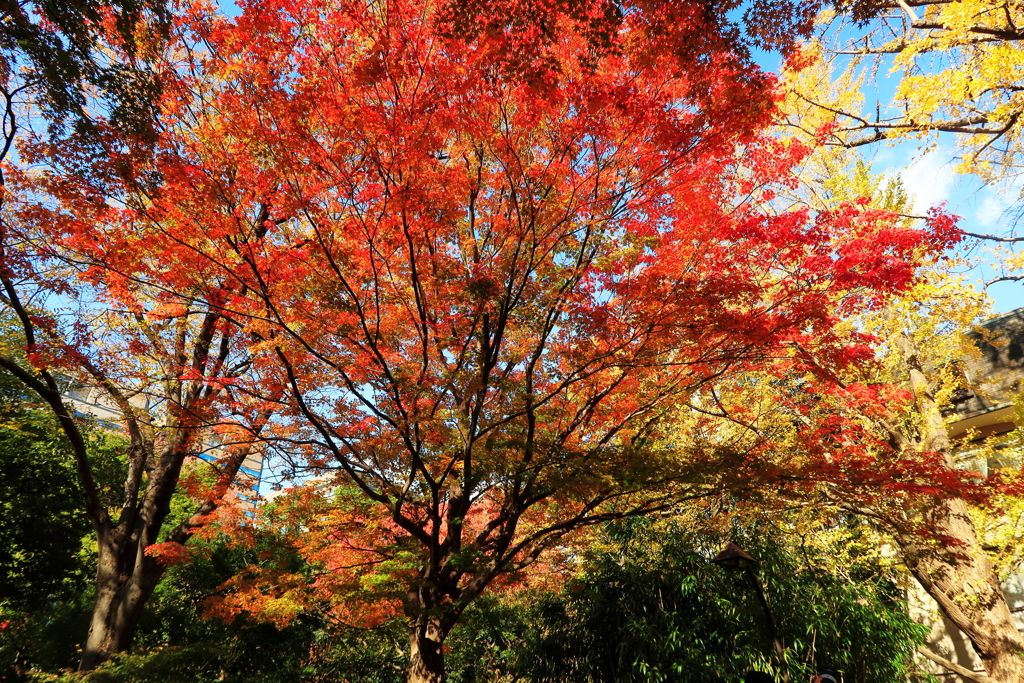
[892, 407]
[960, 69]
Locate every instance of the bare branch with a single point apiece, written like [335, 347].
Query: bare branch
[910, 13]
[1007, 278]
[966, 673]
[993, 238]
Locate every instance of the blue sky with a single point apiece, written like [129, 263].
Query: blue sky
[929, 177]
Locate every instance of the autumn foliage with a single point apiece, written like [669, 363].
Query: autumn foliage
[474, 288]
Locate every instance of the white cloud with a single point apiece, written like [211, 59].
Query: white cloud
[994, 201]
[989, 214]
[929, 180]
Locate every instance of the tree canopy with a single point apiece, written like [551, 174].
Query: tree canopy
[492, 275]
[474, 289]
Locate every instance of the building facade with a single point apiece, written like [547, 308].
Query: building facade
[93, 401]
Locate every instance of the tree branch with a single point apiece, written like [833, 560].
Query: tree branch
[993, 238]
[956, 668]
[46, 391]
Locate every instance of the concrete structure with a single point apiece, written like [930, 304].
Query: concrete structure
[93, 401]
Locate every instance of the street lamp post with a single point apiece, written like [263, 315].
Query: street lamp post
[732, 558]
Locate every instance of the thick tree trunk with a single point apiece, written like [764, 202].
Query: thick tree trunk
[125, 575]
[955, 570]
[964, 584]
[125, 579]
[426, 657]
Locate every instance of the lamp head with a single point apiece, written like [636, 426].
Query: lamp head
[733, 558]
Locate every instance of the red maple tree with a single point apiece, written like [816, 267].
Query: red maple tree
[485, 283]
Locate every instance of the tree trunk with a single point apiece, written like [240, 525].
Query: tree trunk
[426, 657]
[125, 579]
[963, 583]
[955, 570]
